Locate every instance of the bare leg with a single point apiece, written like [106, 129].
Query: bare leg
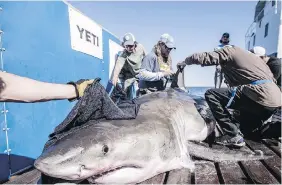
[215, 78]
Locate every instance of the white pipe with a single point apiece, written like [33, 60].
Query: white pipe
[276, 6]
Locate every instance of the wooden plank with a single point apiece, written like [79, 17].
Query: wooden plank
[257, 172]
[205, 173]
[179, 176]
[158, 179]
[232, 173]
[272, 164]
[274, 145]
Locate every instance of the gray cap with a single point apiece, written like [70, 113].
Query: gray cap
[128, 39]
[167, 40]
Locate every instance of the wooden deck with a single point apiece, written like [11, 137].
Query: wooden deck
[249, 172]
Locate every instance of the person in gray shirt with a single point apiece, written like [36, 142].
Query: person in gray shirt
[156, 66]
[128, 64]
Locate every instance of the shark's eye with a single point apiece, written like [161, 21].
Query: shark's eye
[105, 149]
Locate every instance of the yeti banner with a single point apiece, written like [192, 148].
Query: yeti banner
[86, 35]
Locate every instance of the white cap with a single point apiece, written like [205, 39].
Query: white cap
[167, 40]
[259, 51]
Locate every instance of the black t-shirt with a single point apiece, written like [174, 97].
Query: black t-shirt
[275, 66]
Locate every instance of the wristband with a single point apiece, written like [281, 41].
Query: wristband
[76, 91]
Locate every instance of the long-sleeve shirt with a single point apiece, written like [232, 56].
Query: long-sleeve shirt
[241, 67]
[151, 72]
[275, 66]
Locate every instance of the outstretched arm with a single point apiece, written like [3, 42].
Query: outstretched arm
[15, 88]
[211, 58]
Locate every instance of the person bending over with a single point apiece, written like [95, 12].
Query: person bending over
[253, 92]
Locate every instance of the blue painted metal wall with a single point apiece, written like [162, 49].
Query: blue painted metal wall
[37, 42]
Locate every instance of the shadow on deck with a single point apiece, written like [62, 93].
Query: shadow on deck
[13, 163]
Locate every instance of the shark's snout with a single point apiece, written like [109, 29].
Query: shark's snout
[62, 165]
[66, 172]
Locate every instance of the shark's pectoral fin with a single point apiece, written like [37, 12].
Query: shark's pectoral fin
[202, 151]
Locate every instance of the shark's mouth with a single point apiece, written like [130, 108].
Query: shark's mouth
[112, 170]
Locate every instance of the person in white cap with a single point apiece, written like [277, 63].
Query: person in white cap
[273, 126]
[273, 63]
[128, 63]
[156, 66]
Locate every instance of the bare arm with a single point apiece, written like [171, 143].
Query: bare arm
[15, 88]
[118, 66]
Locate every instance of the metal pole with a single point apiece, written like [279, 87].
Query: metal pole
[5, 111]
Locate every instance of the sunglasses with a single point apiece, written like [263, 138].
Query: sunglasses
[129, 46]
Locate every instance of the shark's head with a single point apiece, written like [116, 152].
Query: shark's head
[104, 153]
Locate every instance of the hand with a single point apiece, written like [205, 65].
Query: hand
[181, 65]
[81, 85]
[167, 73]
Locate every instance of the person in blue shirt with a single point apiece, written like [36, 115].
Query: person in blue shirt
[218, 75]
[156, 66]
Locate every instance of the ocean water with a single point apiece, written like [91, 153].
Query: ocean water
[199, 91]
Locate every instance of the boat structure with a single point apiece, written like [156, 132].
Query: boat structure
[266, 28]
[50, 41]
[53, 41]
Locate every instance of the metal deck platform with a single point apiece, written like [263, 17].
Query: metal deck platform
[249, 172]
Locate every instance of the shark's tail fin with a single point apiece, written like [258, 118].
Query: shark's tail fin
[202, 151]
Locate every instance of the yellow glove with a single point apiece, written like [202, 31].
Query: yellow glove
[81, 85]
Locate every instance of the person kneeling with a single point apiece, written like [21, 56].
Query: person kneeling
[254, 92]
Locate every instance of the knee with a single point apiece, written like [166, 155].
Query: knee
[208, 94]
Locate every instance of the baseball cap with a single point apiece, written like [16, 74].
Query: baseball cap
[225, 34]
[167, 40]
[128, 39]
[258, 50]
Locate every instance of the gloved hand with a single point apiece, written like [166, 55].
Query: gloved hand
[168, 73]
[181, 65]
[81, 85]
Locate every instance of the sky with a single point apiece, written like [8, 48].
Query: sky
[196, 26]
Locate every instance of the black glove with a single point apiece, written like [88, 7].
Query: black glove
[181, 66]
